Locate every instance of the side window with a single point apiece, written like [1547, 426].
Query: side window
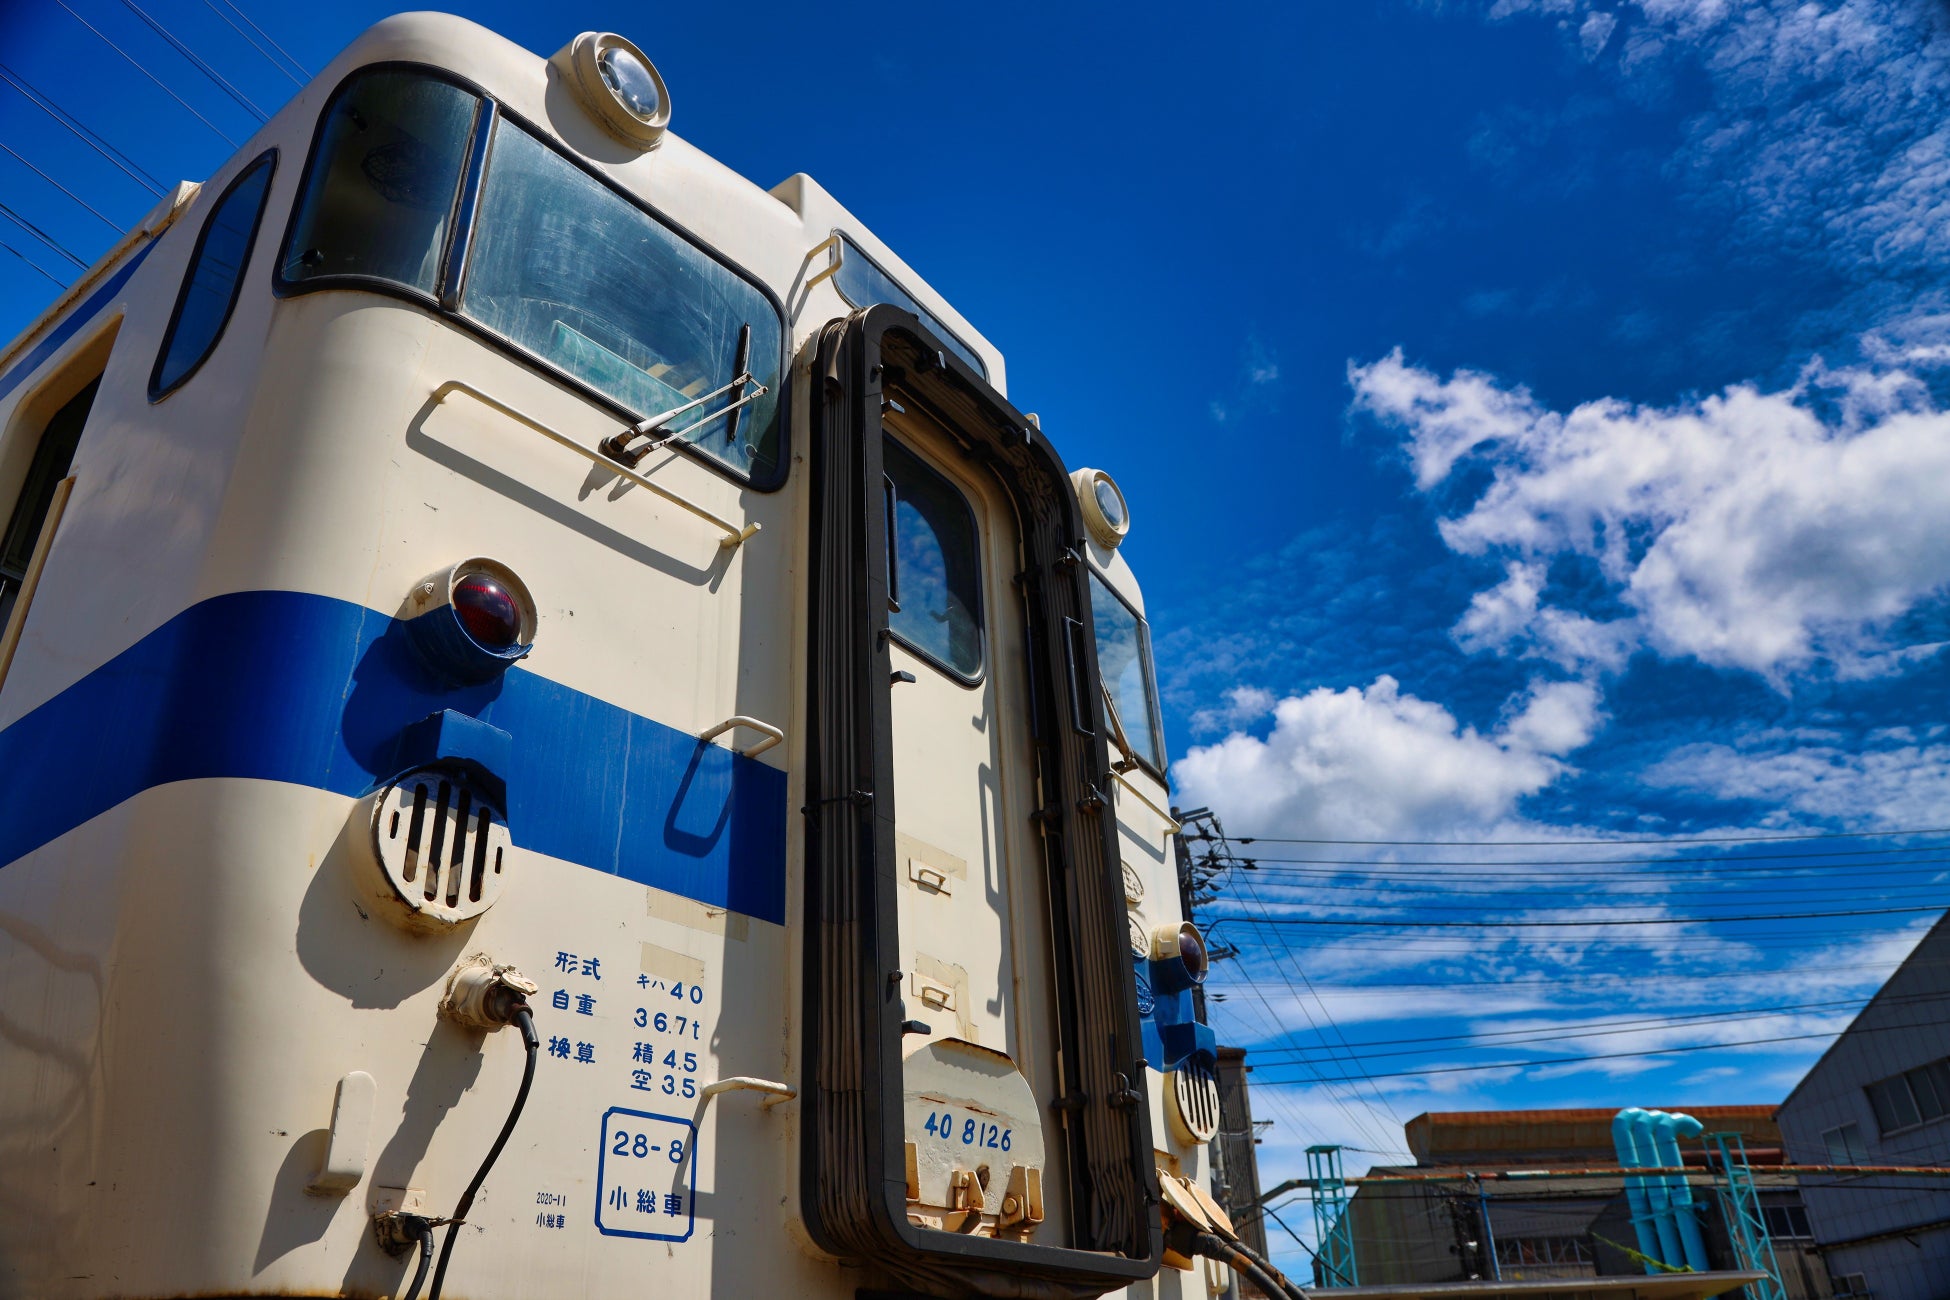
[1124, 662]
[934, 577]
[52, 457]
[863, 284]
[216, 272]
[379, 191]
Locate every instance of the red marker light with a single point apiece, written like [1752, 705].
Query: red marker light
[1191, 951]
[489, 611]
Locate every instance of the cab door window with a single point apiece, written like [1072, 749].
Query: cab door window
[934, 598]
[52, 457]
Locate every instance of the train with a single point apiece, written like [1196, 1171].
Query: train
[561, 736]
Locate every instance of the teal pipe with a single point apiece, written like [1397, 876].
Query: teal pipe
[1658, 1196]
[1625, 1141]
[1667, 1130]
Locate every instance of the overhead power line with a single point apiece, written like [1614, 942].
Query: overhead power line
[252, 41]
[1709, 858]
[196, 62]
[1568, 1032]
[1622, 1056]
[58, 283]
[1558, 844]
[42, 235]
[303, 71]
[74, 125]
[137, 65]
[64, 189]
[1410, 923]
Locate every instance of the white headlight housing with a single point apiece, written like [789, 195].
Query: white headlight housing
[1105, 512]
[619, 86]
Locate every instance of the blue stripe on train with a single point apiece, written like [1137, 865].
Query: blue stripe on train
[71, 324]
[284, 686]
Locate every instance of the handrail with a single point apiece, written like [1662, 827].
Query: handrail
[775, 1092]
[771, 733]
[833, 264]
[734, 535]
[1172, 825]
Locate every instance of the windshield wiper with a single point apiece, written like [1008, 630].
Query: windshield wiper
[617, 447]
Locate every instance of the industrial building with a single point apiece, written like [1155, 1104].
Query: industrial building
[1880, 1095]
[1492, 1199]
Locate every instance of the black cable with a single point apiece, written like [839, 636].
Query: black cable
[306, 72]
[422, 1235]
[1345, 1280]
[196, 61]
[1266, 1266]
[1411, 923]
[80, 131]
[59, 186]
[58, 283]
[134, 63]
[532, 1044]
[1620, 1056]
[1230, 1252]
[249, 39]
[1557, 844]
[41, 235]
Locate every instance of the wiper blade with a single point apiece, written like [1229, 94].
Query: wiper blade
[656, 427]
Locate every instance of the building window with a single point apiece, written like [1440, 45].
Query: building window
[216, 273]
[1517, 1251]
[1852, 1286]
[1845, 1145]
[1786, 1220]
[1913, 1097]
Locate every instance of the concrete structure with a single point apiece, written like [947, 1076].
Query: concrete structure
[1235, 1163]
[1880, 1095]
[1506, 1231]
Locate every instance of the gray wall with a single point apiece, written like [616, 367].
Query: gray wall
[1902, 1028]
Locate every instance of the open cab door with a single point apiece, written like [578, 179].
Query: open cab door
[974, 1116]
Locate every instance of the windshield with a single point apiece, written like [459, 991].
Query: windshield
[580, 276]
[1124, 661]
[559, 264]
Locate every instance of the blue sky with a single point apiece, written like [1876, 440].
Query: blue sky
[1532, 413]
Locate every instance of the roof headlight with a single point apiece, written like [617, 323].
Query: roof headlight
[619, 86]
[1105, 512]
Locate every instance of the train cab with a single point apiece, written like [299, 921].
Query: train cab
[562, 735]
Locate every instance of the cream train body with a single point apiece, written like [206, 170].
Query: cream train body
[222, 1053]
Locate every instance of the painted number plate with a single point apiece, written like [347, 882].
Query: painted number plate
[646, 1176]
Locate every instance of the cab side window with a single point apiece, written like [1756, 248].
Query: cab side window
[52, 457]
[215, 275]
[934, 569]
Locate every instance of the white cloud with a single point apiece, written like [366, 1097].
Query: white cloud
[1449, 418]
[1244, 705]
[1595, 32]
[1890, 779]
[1825, 125]
[1379, 763]
[1747, 529]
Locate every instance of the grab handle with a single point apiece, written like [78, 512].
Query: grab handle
[733, 534]
[771, 733]
[1171, 823]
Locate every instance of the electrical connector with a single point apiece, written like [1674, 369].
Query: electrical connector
[482, 994]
